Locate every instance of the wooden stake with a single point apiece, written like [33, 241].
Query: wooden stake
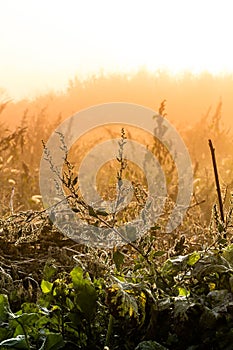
[212, 150]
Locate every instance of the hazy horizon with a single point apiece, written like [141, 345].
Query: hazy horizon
[61, 85]
[188, 99]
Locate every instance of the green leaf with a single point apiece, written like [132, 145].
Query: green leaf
[173, 266]
[53, 341]
[18, 342]
[228, 254]
[30, 307]
[150, 345]
[46, 286]
[27, 319]
[102, 213]
[122, 301]
[43, 321]
[4, 333]
[69, 303]
[183, 292]
[77, 276]
[49, 270]
[118, 259]
[85, 299]
[5, 310]
[92, 212]
[193, 258]
[159, 253]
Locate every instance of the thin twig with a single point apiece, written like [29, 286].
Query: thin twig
[12, 201]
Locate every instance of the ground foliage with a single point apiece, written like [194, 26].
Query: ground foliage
[164, 291]
[56, 294]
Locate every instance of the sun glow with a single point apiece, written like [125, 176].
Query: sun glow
[45, 43]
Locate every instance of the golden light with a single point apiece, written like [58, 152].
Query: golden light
[45, 43]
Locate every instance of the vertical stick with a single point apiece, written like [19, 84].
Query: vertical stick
[212, 150]
[11, 201]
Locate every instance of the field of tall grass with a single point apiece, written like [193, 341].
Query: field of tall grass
[26, 123]
[161, 276]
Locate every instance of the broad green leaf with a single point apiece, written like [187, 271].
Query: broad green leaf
[168, 268]
[30, 308]
[49, 270]
[193, 258]
[228, 254]
[85, 292]
[122, 300]
[69, 303]
[172, 266]
[18, 342]
[86, 300]
[27, 319]
[77, 277]
[46, 286]
[5, 310]
[53, 341]
[13, 324]
[4, 333]
[42, 321]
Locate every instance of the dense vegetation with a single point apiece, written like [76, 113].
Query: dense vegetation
[163, 291]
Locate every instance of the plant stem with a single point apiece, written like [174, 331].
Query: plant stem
[109, 331]
[25, 334]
